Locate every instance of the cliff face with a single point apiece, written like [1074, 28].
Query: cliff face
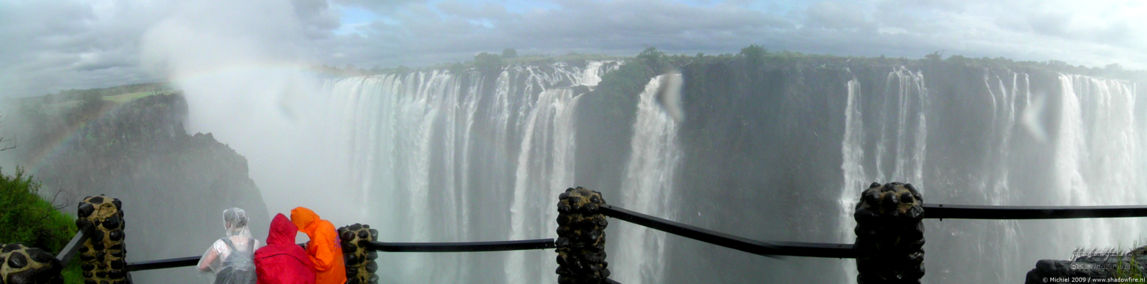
[174, 186]
[770, 150]
[777, 147]
[780, 149]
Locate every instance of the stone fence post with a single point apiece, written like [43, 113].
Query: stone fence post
[890, 234]
[102, 256]
[360, 264]
[581, 237]
[20, 264]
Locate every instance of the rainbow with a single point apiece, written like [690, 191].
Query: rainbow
[57, 142]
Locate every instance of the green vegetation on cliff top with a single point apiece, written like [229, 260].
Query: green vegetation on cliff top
[29, 219]
[754, 55]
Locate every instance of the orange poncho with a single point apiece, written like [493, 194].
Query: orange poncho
[323, 249]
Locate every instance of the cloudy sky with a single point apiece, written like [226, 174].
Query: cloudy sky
[61, 44]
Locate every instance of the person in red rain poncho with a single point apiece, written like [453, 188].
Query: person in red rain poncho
[282, 261]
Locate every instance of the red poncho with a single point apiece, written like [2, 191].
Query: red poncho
[281, 261]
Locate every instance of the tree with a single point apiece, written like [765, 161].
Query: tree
[934, 56]
[488, 63]
[5, 144]
[754, 53]
[652, 57]
[29, 219]
[509, 53]
[457, 68]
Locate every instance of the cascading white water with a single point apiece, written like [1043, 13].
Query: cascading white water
[902, 126]
[1093, 144]
[544, 162]
[648, 185]
[994, 177]
[1098, 156]
[852, 165]
[904, 110]
[442, 156]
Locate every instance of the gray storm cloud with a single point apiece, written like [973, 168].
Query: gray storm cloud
[55, 45]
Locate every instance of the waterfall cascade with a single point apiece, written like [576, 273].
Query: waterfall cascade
[471, 156]
[648, 185]
[441, 156]
[993, 139]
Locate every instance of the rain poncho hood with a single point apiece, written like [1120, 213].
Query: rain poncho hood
[323, 249]
[235, 222]
[231, 257]
[282, 232]
[281, 261]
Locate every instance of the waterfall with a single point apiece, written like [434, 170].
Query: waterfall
[853, 168]
[545, 162]
[462, 156]
[648, 185]
[1098, 156]
[988, 152]
[901, 125]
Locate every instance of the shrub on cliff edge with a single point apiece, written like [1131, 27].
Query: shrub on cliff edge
[27, 218]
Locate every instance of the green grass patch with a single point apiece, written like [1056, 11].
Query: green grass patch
[72, 272]
[1128, 268]
[127, 97]
[29, 219]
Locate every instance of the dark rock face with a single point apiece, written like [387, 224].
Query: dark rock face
[176, 184]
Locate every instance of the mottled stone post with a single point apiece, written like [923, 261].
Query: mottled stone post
[102, 256]
[21, 264]
[581, 237]
[360, 265]
[890, 234]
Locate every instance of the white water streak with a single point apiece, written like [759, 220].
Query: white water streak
[902, 127]
[648, 187]
[427, 150]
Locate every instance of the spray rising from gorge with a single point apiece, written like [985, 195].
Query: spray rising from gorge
[768, 151]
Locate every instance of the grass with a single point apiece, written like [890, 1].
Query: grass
[1132, 270]
[127, 97]
[29, 219]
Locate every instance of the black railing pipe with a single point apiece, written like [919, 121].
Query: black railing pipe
[947, 211]
[163, 263]
[381, 246]
[770, 249]
[71, 248]
[464, 246]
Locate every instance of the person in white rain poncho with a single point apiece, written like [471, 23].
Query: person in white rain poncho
[231, 257]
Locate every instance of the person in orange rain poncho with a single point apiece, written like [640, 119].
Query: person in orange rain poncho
[323, 248]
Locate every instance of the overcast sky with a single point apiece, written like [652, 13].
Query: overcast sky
[46, 46]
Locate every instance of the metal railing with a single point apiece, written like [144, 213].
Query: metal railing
[769, 249]
[71, 248]
[383, 246]
[464, 246]
[941, 211]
